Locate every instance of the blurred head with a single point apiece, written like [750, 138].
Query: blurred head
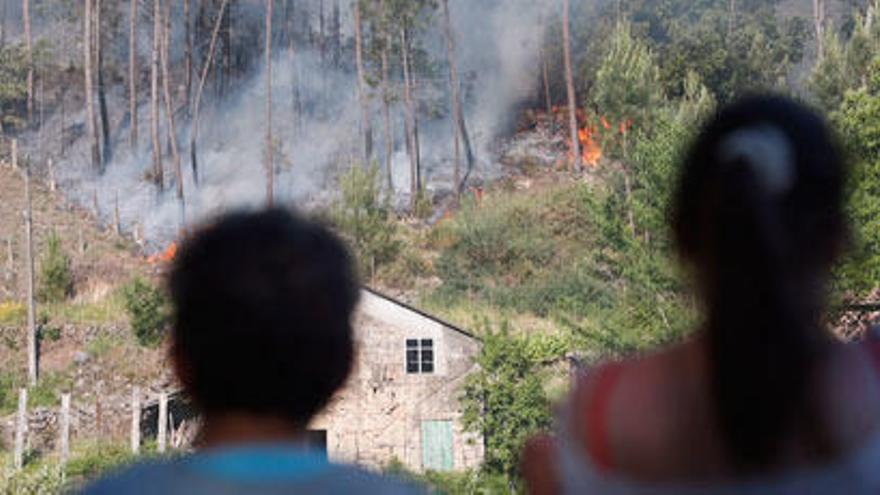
[263, 305]
[759, 216]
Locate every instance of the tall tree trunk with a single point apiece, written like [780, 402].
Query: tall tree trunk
[322, 46]
[226, 74]
[366, 127]
[411, 146]
[28, 43]
[91, 120]
[569, 86]
[386, 99]
[194, 135]
[169, 114]
[456, 98]
[295, 103]
[819, 26]
[158, 172]
[336, 35]
[270, 165]
[107, 152]
[732, 21]
[132, 75]
[2, 24]
[188, 55]
[29, 260]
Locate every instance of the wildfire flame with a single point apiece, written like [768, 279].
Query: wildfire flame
[591, 151]
[590, 130]
[164, 257]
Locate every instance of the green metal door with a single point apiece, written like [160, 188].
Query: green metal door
[437, 445]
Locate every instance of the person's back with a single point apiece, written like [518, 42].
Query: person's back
[261, 340]
[760, 400]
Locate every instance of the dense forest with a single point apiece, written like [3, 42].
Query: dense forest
[507, 165]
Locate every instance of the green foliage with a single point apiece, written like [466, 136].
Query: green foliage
[627, 81]
[42, 479]
[858, 121]
[451, 483]
[147, 310]
[13, 84]
[94, 460]
[505, 400]
[365, 218]
[829, 80]
[56, 278]
[47, 392]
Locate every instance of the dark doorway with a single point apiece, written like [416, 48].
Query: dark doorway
[317, 441]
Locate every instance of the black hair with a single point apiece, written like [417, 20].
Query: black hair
[262, 322]
[762, 228]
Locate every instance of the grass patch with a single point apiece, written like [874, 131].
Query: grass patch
[102, 344]
[12, 313]
[108, 310]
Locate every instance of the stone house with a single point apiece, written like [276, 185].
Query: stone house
[401, 402]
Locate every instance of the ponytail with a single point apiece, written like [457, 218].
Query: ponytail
[759, 214]
[760, 359]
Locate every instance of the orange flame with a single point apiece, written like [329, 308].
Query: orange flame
[164, 257]
[591, 151]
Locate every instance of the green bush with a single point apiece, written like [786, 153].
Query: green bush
[147, 309]
[56, 279]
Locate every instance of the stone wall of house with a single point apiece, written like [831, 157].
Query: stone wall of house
[377, 417]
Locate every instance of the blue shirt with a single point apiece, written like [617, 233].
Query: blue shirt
[258, 469]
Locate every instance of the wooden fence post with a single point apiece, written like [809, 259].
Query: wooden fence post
[161, 435]
[10, 257]
[64, 429]
[52, 184]
[117, 227]
[135, 420]
[20, 428]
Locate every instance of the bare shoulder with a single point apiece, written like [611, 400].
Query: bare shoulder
[655, 412]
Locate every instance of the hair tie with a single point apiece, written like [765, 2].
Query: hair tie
[765, 149]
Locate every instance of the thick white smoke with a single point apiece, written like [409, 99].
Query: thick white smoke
[497, 48]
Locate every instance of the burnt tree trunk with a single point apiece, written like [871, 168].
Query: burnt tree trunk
[158, 172]
[91, 120]
[270, 166]
[169, 114]
[575, 161]
[194, 134]
[106, 151]
[28, 44]
[366, 127]
[132, 75]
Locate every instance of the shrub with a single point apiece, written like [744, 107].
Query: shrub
[56, 279]
[146, 306]
[365, 219]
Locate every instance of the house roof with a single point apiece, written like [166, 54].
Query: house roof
[421, 313]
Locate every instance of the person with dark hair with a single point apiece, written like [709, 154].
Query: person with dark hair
[761, 399]
[261, 340]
